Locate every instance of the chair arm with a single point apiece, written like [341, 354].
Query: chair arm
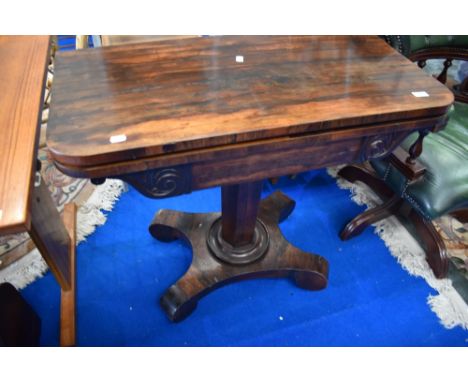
[410, 170]
[406, 162]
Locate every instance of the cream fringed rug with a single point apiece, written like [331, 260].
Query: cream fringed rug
[447, 304]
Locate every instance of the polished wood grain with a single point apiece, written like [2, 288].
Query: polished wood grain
[182, 95]
[68, 297]
[23, 67]
[239, 205]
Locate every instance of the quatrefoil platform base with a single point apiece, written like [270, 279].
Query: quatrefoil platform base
[207, 272]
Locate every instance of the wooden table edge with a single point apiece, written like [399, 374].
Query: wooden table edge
[94, 171]
[108, 157]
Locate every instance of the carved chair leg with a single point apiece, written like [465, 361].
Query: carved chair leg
[371, 216]
[423, 230]
[427, 236]
[354, 173]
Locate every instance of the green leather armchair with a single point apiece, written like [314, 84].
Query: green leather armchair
[419, 186]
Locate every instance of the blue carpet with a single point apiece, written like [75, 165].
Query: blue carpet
[122, 271]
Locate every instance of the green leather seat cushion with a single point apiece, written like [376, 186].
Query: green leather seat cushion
[423, 42]
[444, 186]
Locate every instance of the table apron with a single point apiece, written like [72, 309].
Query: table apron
[175, 174]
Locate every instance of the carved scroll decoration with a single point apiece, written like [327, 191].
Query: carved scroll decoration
[379, 146]
[162, 182]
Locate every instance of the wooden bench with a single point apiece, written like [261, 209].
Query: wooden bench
[25, 201]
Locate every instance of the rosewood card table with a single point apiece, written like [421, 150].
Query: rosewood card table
[171, 117]
[25, 201]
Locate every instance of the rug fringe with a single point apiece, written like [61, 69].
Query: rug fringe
[32, 266]
[448, 305]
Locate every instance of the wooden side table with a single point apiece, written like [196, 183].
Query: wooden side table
[170, 118]
[25, 202]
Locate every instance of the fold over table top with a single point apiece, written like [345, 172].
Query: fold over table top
[136, 101]
[23, 66]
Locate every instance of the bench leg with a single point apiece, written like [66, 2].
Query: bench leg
[56, 243]
[428, 238]
[68, 297]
